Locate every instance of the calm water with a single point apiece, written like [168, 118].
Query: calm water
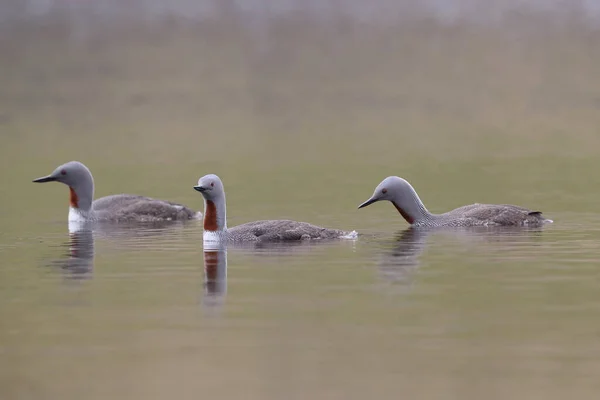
[303, 130]
[143, 312]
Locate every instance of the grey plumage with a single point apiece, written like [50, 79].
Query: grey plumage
[404, 197]
[485, 215]
[281, 230]
[127, 207]
[215, 222]
[120, 207]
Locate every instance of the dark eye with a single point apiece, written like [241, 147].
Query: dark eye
[212, 184]
[384, 190]
[63, 172]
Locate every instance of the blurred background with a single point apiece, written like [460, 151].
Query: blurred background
[303, 107]
[325, 93]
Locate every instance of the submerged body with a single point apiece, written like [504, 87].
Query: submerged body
[404, 197]
[119, 207]
[215, 222]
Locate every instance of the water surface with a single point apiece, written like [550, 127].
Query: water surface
[303, 126]
[144, 311]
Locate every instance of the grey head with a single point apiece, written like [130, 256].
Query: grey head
[211, 187]
[215, 214]
[79, 178]
[392, 189]
[403, 196]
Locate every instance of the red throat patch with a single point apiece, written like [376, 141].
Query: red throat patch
[210, 217]
[73, 198]
[407, 217]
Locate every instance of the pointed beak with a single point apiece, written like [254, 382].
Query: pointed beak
[43, 179]
[199, 188]
[368, 202]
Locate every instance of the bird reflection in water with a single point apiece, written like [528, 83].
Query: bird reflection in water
[398, 264]
[215, 275]
[78, 261]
